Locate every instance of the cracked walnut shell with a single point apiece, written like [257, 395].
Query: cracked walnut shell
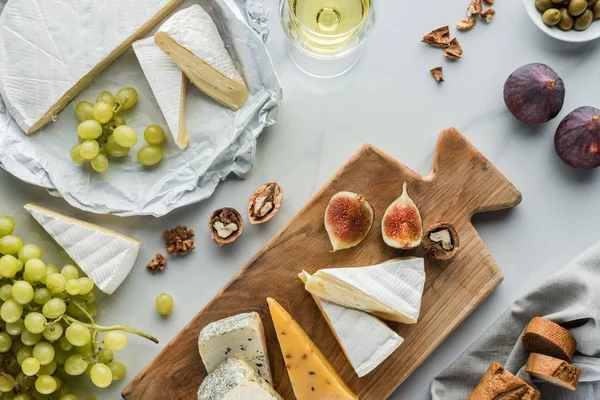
[439, 37]
[441, 241]
[454, 50]
[264, 203]
[438, 74]
[225, 225]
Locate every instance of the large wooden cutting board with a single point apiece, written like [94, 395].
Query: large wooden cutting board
[462, 184]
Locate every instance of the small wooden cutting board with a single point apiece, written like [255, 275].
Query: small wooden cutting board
[462, 183]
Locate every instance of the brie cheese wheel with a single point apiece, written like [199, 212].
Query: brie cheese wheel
[365, 340]
[52, 50]
[392, 290]
[241, 336]
[168, 85]
[192, 40]
[234, 379]
[104, 255]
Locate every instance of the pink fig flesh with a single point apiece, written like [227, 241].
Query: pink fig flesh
[577, 138]
[348, 219]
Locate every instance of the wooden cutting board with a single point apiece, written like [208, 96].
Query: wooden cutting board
[462, 184]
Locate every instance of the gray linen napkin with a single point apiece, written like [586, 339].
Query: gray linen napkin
[571, 297]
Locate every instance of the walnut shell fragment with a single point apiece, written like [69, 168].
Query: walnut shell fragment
[474, 8]
[264, 203]
[454, 51]
[488, 15]
[441, 241]
[438, 74]
[489, 2]
[439, 37]
[402, 226]
[225, 225]
[466, 24]
[348, 219]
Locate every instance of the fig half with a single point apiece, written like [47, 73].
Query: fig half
[577, 138]
[348, 219]
[402, 226]
[534, 93]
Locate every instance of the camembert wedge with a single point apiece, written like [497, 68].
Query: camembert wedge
[192, 40]
[311, 375]
[392, 290]
[168, 84]
[365, 340]
[51, 50]
[104, 255]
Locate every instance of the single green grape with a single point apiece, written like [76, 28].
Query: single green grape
[43, 352]
[35, 322]
[11, 311]
[115, 340]
[118, 370]
[125, 136]
[61, 356]
[84, 111]
[164, 303]
[92, 309]
[101, 375]
[6, 292]
[126, 98]
[30, 366]
[85, 350]
[117, 120]
[22, 396]
[10, 244]
[5, 342]
[103, 112]
[30, 339]
[64, 344]
[106, 96]
[70, 272]
[45, 384]
[89, 297]
[105, 355]
[89, 130]
[113, 149]
[5, 385]
[78, 334]
[22, 292]
[51, 269]
[53, 332]
[150, 155]
[154, 134]
[75, 365]
[76, 155]
[7, 225]
[54, 308]
[15, 328]
[29, 251]
[89, 149]
[87, 285]
[8, 266]
[56, 283]
[35, 270]
[100, 163]
[73, 287]
[19, 265]
[41, 296]
[23, 353]
[49, 369]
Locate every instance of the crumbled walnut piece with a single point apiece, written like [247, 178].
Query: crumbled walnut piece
[454, 50]
[225, 225]
[438, 74]
[488, 15]
[466, 24]
[264, 203]
[489, 2]
[178, 240]
[157, 264]
[439, 37]
[475, 7]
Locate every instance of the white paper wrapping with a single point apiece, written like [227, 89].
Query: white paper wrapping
[221, 141]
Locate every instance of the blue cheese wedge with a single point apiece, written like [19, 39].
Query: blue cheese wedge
[234, 379]
[392, 290]
[241, 336]
[365, 340]
[104, 255]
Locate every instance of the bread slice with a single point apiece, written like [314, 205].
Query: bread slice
[499, 384]
[552, 370]
[546, 337]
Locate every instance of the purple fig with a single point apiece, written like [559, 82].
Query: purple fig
[534, 93]
[577, 138]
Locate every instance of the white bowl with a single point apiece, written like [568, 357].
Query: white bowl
[573, 36]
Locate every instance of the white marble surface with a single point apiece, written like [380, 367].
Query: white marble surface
[389, 100]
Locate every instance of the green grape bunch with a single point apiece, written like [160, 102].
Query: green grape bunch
[48, 335]
[103, 132]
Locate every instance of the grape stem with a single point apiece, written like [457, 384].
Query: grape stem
[99, 328]
[14, 382]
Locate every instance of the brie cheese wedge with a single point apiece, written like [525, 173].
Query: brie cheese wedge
[104, 255]
[365, 340]
[51, 50]
[168, 84]
[192, 40]
[392, 290]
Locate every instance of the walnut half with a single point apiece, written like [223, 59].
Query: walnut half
[264, 203]
[225, 226]
[441, 241]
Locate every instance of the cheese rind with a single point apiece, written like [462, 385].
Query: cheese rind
[104, 255]
[51, 50]
[392, 290]
[234, 379]
[240, 336]
[365, 340]
[311, 375]
[168, 85]
[192, 40]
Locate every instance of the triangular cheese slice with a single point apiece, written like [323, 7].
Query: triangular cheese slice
[365, 340]
[51, 50]
[192, 40]
[311, 375]
[168, 84]
[104, 255]
[392, 290]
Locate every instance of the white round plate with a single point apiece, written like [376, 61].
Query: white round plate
[572, 36]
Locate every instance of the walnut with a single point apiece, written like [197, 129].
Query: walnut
[225, 226]
[439, 37]
[488, 15]
[441, 241]
[466, 24]
[178, 240]
[474, 8]
[264, 203]
[454, 50]
[489, 2]
[438, 74]
[157, 264]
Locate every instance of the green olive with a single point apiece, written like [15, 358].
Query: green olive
[551, 16]
[543, 5]
[577, 7]
[584, 21]
[591, 2]
[557, 1]
[597, 10]
[566, 21]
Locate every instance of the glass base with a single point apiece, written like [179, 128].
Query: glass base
[322, 68]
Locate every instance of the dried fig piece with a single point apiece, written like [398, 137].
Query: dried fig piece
[454, 50]
[225, 226]
[441, 241]
[439, 37]
[438, 74]
[402, 226]
[348, 219]
[466, 24]
[264, 203]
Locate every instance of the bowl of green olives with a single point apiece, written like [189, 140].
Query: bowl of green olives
[567, 20]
